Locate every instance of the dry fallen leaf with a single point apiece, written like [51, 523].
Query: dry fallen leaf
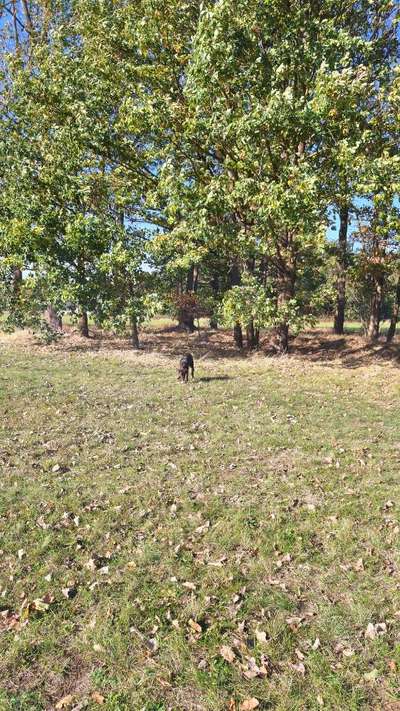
[42, 523]
[300, 668]
[203, 528]
[388, 505]
[380, 628]
[227, 653]
[189, 585]
[218, 563]
[48, 598]
[8, 619]
[373, 631]
[195, 626]
[370, 631]
[249, 704]
[261, 636]
[41, 604]
[97, 698]
[251, 669]
[65, 702]
[294, 622]
[348, 652]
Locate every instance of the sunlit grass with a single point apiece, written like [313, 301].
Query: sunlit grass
[259, 512]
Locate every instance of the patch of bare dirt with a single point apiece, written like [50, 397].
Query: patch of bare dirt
[74, 680]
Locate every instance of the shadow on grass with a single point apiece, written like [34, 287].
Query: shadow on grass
[215, 377]
[349, 351]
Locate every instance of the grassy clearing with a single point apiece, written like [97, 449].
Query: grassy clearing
[350, 326]
[256, 508]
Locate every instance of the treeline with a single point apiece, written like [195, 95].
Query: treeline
[194, 156]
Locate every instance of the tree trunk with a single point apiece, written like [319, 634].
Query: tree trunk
[251, 332]
[186, 321]
[395, 315]
[238, 336]
[186, 316]
[134, 334]
[52, 318]
[341, 267]
[84, 325]
[15, 22]
[215, 290]
[234, 278]
[282, 338]
[375, 310]
[194, 279]
[263, 271]
[252, 336]
[28, 18]
[285, 293]
[17, 279]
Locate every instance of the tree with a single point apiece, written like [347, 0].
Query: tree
[259, 109]
[225, 130]
[395, 314]
[350, 101]
[63, 190]
[379, 183]
[128, 296]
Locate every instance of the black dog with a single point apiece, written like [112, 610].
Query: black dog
[185, 364]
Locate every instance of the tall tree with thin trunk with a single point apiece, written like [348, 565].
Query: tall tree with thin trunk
[341, 268]
[234, 275]
[395, 314]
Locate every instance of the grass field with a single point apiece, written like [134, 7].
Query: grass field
[207, 547]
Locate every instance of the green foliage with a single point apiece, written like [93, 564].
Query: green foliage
[226, 131]
[126, 289]
[46, 334]
[250, 301]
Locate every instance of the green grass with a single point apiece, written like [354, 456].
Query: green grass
[242, 505]
[352, 327]
[349, 327]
